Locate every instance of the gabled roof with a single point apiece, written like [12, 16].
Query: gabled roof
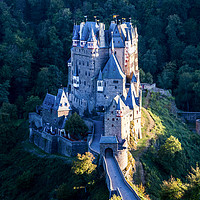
[130, 99]
[112, 69]
[92, 37]
[49, 101]
[61, 102]
[58, 98]
[100, 75]
[120, 103]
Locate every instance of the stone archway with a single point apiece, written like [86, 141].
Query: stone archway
[108, 153]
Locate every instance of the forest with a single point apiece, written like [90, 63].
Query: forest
[35, 42]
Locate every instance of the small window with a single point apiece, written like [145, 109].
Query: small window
[79, 61]
[84, 82]
[115, 87]
[83, 63]
[115, 81]
[86, 73]
[61, 104]
[113, 119]
[108, 119]
[112, 125]
[112, 112]
[87, 63]
[65, 104]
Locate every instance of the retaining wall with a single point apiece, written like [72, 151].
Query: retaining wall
[57, 144]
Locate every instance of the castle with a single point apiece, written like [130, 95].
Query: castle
[103, 76]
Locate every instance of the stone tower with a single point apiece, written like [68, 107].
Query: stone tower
[104, 75]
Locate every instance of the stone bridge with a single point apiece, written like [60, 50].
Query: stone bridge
[115, 180]
[189, 116]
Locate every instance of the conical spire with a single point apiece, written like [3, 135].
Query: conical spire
[100, 76]
[75, 37]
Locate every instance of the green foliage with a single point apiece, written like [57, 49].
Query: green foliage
[193, 191]
[173, 189]
[84, 168]
[31, 104]
[114, 197]
[170, 147]
[25, 181]
[76, 126]
[173, 151]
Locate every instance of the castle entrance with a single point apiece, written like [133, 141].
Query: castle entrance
[108, 153]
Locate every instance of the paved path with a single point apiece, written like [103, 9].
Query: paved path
[117, 180]
[97, 135]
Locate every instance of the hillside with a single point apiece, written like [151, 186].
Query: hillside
[29, 173]
[158, 164]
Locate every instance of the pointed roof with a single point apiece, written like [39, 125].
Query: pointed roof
[58, 101]
[100, 75]
[130, 99]
[134, 80]
[92, 37]
[112, 69]
[76, 36]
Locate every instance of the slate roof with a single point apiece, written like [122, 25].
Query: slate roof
[49, 101]
[58, 98]
[112, 69]
[76, 35]
[108, 140]
[92, 37]
[130, 99]
[100, 75]
[87, 29]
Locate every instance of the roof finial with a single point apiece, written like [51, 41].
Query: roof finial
[95, 18]
[112, 44]
[85, 18]
[130, 19]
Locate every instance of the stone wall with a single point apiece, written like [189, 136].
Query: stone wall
[122, 158]
[71, 148]
[36, 119]
[44, 141]
[57, 144]
[111, 87]
[198, 126]
[189, 116]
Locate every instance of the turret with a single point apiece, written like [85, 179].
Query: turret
[75, 38]
[100, 82]
[92, 41]
[76, 77]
